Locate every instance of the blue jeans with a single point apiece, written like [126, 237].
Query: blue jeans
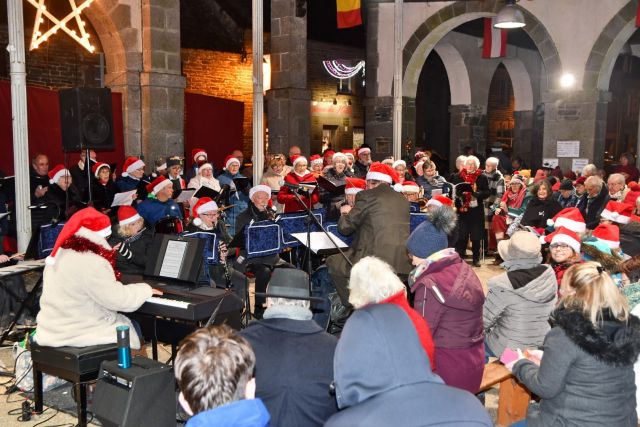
[521, 423]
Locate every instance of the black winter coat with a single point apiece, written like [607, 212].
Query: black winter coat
[592, 208]
[135, 260]
[539, 211]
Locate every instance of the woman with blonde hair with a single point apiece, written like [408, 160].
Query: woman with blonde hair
[204, 178]
[585, 376]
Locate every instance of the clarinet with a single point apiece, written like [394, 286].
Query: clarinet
[225, 264]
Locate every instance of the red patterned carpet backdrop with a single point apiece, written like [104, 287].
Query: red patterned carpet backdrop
[214, 124]
[44, 128]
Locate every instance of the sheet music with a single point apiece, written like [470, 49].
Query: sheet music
[2, 215]
[319, 241]
[173, 256]
[124, 199]
[185, 195]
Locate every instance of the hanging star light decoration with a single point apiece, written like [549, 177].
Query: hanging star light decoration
[37, 38]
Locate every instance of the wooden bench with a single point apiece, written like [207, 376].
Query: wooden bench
[513, 397]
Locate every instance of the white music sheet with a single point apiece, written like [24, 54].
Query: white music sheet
[124, 199]
[319, 240]
[173, 257]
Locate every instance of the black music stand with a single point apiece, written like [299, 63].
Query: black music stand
[28, 300]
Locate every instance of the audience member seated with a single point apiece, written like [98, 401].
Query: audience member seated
[617, 187]
[153, 210]
[585, 377]
[564, 251]
[103, 189]
[294, 356]
[593, 201]
[513, 203]
[82, 294]
[518, 302]
[132, 241]
[449, 296]
[204, 178]
[298, 175]
[382, 377]
[567, 197]
[628, 168]
[62, 199]
[386, 289]
[214, 372]
[541, 207]
[131, 178]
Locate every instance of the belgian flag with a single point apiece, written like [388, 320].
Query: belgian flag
[348, 13]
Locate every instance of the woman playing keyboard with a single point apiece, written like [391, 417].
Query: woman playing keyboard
[82, 294]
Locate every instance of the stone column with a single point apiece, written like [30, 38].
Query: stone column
[288, 100]
[161, 82]
[468, 124]
[523, 135]
[577, 116]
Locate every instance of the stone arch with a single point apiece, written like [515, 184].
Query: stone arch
[521, 83]
[427, 35]
[457, 73]
[605, 50]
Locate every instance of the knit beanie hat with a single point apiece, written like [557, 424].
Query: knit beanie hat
[426, 240]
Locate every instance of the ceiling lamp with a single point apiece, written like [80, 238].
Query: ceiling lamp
[509, 16]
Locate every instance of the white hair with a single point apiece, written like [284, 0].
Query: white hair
[372, 280]
[492, 160]
[461, 159]
[594, 181]
[474, 159]
[288, 302]
[617, 178]
[589, 170]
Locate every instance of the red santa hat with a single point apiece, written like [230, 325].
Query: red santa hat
[635, 218]
[158, 184]
[631, 198]
[229, 160]
[349, 152]
[363, 150]
[328, 154]
[570, 218]
[57, 172]
[258, 188]
[580, 181]
[197, 152]
[608, 233]
[205, 166]
[398, 163]
[89, 219]
[354, 185]
[617, 212]
[131, 164]
[440, 200]
[316, 159]
[381, 172]
[296, 158]
[97, 166]
[204, 205]
[418, 165]
[127, 215]
[563, 235]
[410, 187]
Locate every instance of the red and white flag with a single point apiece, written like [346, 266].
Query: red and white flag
[638, 16]
[495, 40]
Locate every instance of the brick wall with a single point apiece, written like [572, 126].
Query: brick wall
[59, 62]
[223, 75]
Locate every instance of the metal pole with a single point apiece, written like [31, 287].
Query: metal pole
[258, 98]
[397, 80]
[19, 120]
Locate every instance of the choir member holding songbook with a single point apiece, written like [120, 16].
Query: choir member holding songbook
[308, 195]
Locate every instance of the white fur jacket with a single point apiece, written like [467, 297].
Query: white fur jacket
[81, 299]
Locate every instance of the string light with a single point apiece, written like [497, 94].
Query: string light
[41, 10]
[340, 70]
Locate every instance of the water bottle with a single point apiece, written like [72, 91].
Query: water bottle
[124, 348]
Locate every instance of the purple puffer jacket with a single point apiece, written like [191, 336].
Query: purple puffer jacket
[449, 295]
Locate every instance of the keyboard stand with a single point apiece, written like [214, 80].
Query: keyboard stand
[31, 296]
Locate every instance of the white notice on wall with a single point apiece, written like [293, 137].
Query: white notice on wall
[550, 163]
[578, 164]
[568, 149]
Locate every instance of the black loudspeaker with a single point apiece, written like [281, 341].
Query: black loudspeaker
[86, 119]
[140, 396]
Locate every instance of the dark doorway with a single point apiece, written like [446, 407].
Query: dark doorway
[433, 98]
[500, 119]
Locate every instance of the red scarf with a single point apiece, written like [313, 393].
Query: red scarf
[514, 200]
[469, 178]
[422, 328]
[81, 244]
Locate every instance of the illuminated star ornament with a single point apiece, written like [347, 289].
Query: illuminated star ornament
[76, 10]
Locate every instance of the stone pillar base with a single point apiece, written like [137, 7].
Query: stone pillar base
[289, 119]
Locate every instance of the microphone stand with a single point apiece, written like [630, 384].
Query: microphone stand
[311, 218]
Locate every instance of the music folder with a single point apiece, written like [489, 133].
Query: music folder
[206, 192]
[175, 258]
[330, 186]
[242, 184]
[320, 243]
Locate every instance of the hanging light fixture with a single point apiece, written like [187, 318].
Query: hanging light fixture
[509, 16]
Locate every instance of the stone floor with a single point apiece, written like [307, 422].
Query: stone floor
[10, 405]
